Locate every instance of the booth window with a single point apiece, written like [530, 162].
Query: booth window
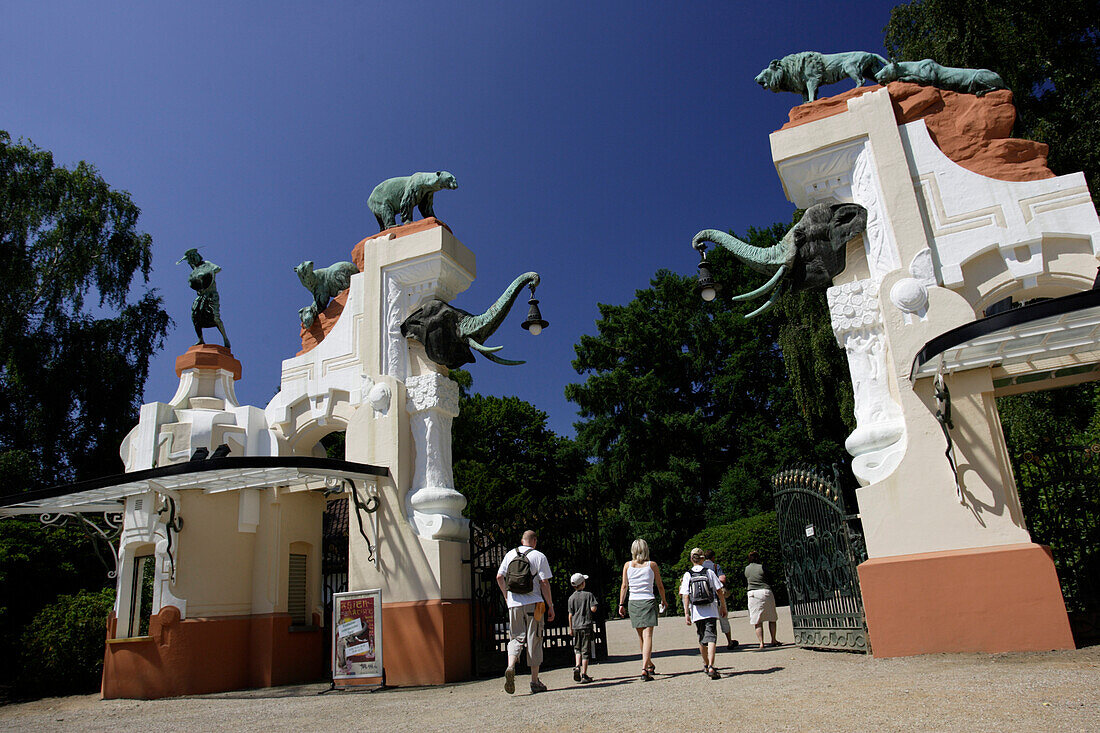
[296, 591]
[141, 595]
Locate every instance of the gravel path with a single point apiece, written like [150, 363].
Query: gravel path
[777, 689]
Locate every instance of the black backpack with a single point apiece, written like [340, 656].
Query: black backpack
[517, 576]
[700, 592]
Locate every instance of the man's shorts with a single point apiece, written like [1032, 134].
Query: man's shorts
[584, 643]
[707, 628]
[525, 632]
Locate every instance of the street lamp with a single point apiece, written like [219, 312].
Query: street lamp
[707, 288]
[534, 323]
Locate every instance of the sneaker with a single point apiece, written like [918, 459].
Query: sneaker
[732, 644]
[509, 681]
[576, 674]
[537, 687]
[585, 679]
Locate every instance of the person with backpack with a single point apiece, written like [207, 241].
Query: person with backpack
[524, 579]
[704, 600]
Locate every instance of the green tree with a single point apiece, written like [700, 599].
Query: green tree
[1047, 53]
[74, 348]
[75, 345]
[506, 461]
[686, 410]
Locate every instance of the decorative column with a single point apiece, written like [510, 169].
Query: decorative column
[877, 444]
[433, 504]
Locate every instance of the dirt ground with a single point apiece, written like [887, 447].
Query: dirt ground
[777, 689]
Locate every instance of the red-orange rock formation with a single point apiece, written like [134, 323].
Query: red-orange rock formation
[970, 130]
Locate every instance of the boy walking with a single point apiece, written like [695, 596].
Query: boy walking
[582, 627]
[704, 600]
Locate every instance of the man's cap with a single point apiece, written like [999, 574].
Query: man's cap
[577, 579]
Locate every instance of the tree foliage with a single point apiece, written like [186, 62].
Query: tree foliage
[62, 651]
[74, 347]
[506, 461]
[1047, 53]
[686, 410]
[75, 344]
[732, 544]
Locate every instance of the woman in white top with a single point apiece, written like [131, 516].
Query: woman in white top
[639, 577]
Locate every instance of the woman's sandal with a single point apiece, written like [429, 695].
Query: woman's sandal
[647, 676]
[651, 668]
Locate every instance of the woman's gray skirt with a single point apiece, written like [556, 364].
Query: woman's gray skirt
[643, 614]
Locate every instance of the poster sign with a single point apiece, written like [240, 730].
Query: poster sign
[357, 632]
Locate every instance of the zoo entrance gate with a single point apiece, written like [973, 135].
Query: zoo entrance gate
[821, 549]
[570, 539]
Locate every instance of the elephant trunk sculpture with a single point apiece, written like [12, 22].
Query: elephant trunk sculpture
[448, 333]
[810, 255]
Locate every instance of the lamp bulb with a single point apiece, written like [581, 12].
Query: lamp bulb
[708, 294]
[535, 329]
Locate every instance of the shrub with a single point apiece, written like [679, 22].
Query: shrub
[63, 646]
[731, 544]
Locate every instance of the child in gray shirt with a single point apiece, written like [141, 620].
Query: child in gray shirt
[582, 627]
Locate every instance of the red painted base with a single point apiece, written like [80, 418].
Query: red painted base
[992, 599]
[426, 642]
[196, 656]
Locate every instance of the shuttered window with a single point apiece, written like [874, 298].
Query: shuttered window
[296, 591]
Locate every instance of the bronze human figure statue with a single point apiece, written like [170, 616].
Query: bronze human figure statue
[205, 311]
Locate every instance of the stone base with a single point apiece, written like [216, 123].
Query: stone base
[198, 656]
[992, 599]
[427, 642]
[208, 356]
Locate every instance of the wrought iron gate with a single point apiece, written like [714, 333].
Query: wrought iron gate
[821, 549]
[1060, 494]
[570, 540]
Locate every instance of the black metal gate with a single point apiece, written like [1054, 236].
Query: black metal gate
[334, 553]
[570, 540]
[1060, 494]
[821, 549]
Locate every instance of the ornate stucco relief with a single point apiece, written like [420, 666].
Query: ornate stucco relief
[882, 250]
[878, 442]
[433, 505]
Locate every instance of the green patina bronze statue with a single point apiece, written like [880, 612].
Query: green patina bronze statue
[399, 195]
[448, 333]
[928, 73]
[810, 255]
[324, 284]
[804, 72]
[205, 311]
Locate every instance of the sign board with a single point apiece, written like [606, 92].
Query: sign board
[357, 636]
[809, 530]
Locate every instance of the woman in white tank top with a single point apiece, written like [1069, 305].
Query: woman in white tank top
[640, 575]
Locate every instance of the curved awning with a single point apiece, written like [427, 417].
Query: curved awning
[1024, 341]
[108, 494]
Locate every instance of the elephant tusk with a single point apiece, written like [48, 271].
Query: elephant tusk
[769, 304]
[765, 287]
[482, 347]
[505, 362]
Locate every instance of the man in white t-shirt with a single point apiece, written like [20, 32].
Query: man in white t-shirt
[704, 615]
[530, 606]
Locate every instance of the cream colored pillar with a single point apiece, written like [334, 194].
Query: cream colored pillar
[942, 243]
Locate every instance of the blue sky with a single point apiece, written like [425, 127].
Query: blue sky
[590, 141]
